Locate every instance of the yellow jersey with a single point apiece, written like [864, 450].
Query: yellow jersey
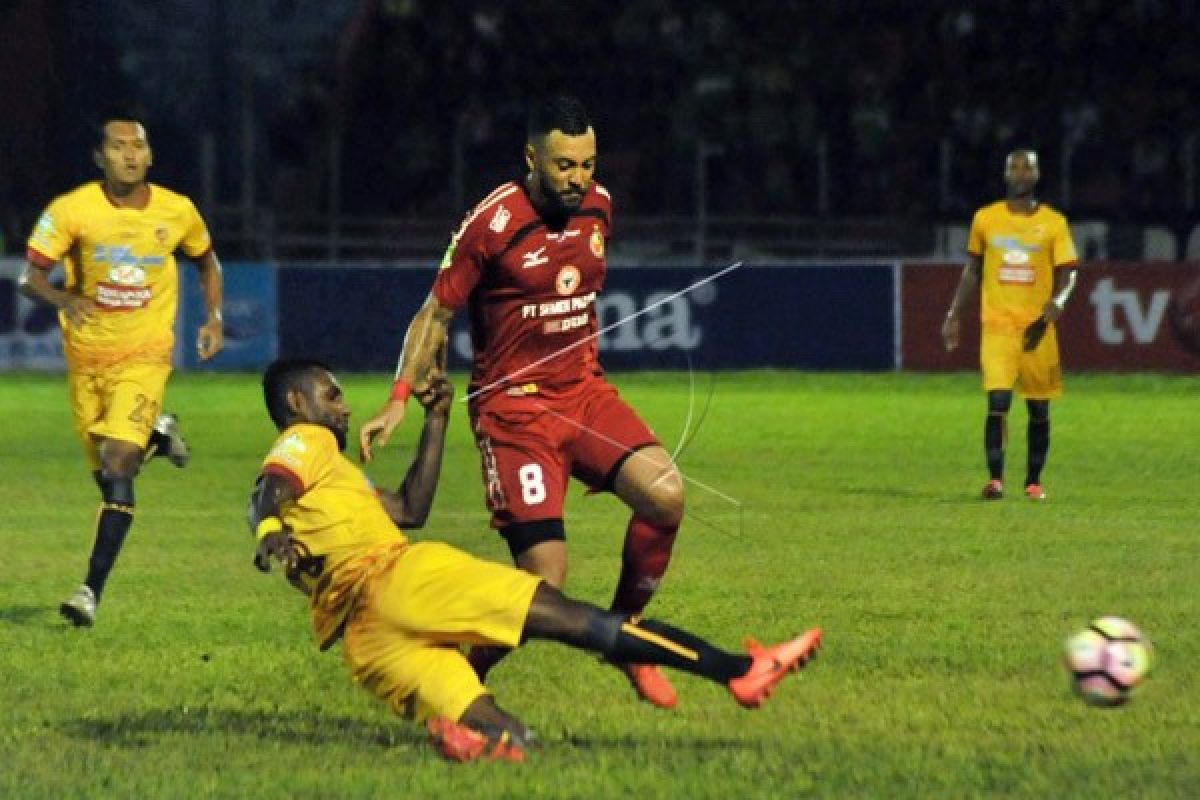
[337, 522]
[123, 259]
[1020, 253]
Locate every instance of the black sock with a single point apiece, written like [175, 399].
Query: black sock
[626, 641]
[1038, 439]
[993, 444]
[158, 444]
[995, 432]
[116, 516]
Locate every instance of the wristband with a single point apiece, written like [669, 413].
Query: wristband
[400, 391]
[268, 526]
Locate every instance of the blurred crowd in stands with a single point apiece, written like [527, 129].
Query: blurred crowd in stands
[784, 108]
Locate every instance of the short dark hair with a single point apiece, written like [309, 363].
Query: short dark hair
[100, 130]
[282, 376]
[559, 112]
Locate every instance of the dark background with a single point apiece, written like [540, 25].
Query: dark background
[415, 108]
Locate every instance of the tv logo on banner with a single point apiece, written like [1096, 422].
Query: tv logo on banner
[1143, 322]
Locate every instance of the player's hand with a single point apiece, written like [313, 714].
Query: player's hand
[1034, 333]
[277, 545]
[437, 395]
[78, 308]
[378, 429]
[1051, 311]
[210, 338]
[950, 331]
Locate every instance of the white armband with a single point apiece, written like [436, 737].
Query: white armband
[1060, 299]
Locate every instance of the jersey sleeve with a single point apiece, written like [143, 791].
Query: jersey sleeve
[976, 241]
[303, 455]
[53, 234]
[196, 241]
[1063, 250]
[462, 265]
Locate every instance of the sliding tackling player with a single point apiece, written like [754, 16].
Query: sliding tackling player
[403, 608]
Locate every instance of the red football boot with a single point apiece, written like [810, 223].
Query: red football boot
[771, 665]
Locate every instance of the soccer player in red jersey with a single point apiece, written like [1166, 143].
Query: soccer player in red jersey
[527, 263]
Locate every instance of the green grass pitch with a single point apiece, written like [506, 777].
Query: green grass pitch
[848, 501]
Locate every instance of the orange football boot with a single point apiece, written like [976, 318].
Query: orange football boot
[994, 490]
[651, 684]
[770, 665]
[456, 742]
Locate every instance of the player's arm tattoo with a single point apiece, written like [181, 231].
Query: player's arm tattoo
[424, 340]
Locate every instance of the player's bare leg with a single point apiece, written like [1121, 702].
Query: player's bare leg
[119, 464]
[547, 560]
[651, 486]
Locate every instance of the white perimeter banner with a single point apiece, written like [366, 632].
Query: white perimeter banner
[29, 333]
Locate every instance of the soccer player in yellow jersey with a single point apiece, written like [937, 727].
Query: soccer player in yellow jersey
[1020, 251]
[116, 238]
[403, 609]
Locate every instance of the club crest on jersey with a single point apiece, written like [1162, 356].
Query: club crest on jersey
[161, 234]
[597, 242]
[567, 280]
[500, 219]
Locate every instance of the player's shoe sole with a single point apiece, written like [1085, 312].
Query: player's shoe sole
[770, 665]
[80, 608]
[460, 743]
[994, 490]
[1034, 491]
[651, 685]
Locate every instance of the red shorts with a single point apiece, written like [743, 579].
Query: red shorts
[530, 451]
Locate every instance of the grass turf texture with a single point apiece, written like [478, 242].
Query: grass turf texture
[944, 615]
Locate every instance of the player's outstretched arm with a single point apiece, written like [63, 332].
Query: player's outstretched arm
[424, 346]
[967, 284]
[271, 491]
[211, 336]
[409, 505]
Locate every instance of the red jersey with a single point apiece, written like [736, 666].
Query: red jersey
[530, 291]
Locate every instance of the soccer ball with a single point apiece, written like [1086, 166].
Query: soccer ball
[1107, 660]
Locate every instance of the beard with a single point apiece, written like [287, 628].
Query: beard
[558, 205]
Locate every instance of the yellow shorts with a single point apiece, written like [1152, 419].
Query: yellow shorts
[120, 402]
[402, 642]
[1004, 361]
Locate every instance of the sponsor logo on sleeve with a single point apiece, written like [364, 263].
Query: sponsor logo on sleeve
[500, 219]
[290, 450]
